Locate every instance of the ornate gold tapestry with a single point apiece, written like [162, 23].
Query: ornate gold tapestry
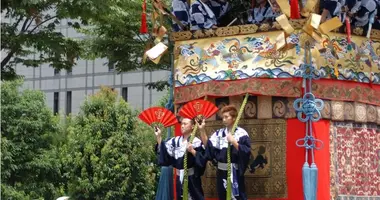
[266, 174]
[256, 56]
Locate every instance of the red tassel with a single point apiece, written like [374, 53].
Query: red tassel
[144, 26]
[348, 29]
[294, 9]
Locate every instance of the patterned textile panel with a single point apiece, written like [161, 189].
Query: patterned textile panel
[256, 56]
[326, 89]
[355, 161]
[266, 107]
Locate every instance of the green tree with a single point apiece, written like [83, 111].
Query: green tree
[31, 30]
[29, 166]
[109, 153]
[30, 36]
[115, 36]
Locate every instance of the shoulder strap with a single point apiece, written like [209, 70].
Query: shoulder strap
[173, 142]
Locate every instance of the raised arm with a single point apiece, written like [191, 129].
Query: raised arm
[164, 149]
[203, 133]
[157, 132]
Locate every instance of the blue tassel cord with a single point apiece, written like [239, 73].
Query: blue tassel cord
[308, 110]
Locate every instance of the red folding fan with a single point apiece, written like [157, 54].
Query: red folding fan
[198, 108]
[158, 115]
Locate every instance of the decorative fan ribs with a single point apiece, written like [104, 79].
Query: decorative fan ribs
[197, 109]
[158, 115]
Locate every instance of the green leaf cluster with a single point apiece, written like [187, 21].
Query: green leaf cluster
[29, 131]
[104, 152]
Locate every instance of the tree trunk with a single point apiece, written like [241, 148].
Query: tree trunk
[7, 59]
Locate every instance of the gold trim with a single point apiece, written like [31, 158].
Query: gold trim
[227, 31]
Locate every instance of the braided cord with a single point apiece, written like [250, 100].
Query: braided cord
[229, 186]
[185, 186]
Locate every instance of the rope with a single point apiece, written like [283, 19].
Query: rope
[229, 189]
[185, 186]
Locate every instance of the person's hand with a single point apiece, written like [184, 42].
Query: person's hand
[157, 132]
[190, 148]
[344, 9]
[214, 26]
[230, 138]
[202, 124]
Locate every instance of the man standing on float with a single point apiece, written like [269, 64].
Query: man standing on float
[216, 148]
[172, 152]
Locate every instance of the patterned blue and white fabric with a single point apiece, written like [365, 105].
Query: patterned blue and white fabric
[180, 9]
[216, 149]
[201, 16]
[172, 153]
[335, 9]
[259, 14]
[219, 8]
[367, 8]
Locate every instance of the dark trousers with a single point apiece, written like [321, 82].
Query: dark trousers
[221, 174]
[195, 188]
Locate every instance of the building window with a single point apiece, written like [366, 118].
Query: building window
[56, 72]
[111, 66]
[69, 72]
[56, 102]
[124, 93]
[68, 102]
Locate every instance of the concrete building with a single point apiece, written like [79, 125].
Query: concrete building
[66, 90]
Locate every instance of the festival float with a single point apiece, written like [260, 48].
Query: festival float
[309, 97]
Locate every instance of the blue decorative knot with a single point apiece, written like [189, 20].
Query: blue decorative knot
[309, 142]
[309, 106]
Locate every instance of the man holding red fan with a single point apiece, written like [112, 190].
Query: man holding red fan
[172, 152]
[216, 148]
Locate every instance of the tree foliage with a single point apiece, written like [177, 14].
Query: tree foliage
[29, 166]
[30, 37]
[115, 36]
[109, 153]
[102, 153]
